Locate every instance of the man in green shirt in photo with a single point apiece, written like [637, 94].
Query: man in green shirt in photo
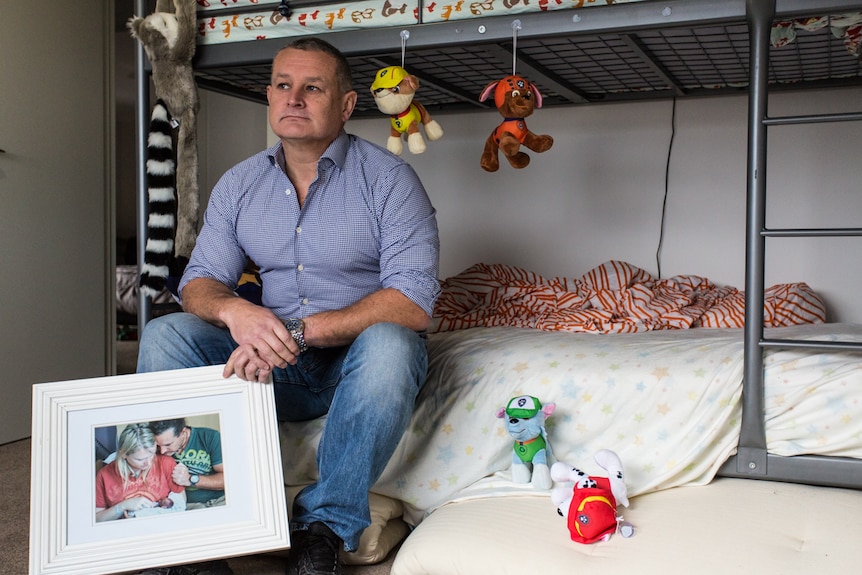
[197, 451]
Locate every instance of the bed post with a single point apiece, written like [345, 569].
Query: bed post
[751, 455]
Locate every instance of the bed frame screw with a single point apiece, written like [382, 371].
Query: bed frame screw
[752, 465]
[666, 11]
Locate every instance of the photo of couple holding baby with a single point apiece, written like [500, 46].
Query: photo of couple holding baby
[158, 467]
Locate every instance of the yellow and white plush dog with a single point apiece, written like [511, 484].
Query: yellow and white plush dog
[394, 90]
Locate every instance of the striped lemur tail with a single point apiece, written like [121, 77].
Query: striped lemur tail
[161, 197]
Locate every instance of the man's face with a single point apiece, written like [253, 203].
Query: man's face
[305, 101]
[169, 443]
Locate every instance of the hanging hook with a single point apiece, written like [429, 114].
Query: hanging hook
[405, 34]
[516, 25]
[284, 9]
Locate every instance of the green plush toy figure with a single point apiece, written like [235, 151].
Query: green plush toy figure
[525, 421]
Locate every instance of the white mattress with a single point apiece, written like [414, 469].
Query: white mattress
[728, 526]
[667, 402]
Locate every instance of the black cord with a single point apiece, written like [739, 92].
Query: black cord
[666, 186]
[284, 9]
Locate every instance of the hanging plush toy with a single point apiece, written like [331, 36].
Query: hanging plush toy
[531, 453]
[168, 36]
[394, 90]
[515, 98]
[590, 505]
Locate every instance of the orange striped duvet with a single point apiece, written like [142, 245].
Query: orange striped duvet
[615, 297]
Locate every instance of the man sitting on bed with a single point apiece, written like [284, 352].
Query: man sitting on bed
[346, 240]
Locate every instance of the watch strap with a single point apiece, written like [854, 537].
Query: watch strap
[296, 328]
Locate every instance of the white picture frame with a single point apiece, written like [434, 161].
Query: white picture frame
[64, 536]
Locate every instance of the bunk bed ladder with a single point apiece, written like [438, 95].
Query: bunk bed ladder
[752, 459]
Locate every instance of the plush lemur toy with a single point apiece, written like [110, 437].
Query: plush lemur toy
[531, 453]
[515, 98]
[168, 36]
[590, 504]
[394, 90]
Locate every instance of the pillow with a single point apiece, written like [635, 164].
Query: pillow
[387, 529]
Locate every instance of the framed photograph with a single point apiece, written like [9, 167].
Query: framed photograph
[126, 471]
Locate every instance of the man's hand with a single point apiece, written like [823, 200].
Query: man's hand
[181, 475]
[264, 342]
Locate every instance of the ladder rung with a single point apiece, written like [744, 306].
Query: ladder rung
[812, 119]
[813, 344]
[811, 232]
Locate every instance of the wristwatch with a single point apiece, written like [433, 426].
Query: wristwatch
[193, 479]
[296, 327]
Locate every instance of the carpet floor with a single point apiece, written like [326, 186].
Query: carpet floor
[15, 524]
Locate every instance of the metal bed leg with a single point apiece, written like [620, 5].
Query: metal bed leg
[751, 456]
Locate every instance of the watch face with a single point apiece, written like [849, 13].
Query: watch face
[293, 325]
[194, 479]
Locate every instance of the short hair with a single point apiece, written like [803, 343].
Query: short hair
[315, 44]
[159, 427]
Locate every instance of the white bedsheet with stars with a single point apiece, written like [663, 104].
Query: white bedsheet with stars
[668, 402]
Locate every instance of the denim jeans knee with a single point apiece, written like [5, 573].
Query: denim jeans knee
[181, 340]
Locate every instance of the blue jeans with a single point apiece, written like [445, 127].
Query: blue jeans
[368, 390]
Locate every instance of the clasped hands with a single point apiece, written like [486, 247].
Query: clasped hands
[264, 344]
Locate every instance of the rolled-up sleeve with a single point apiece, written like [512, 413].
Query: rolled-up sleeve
[409, 240]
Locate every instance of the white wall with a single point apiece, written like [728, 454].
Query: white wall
[229, 131]
[597, 194]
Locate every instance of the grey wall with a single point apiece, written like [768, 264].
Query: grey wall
[55, 220]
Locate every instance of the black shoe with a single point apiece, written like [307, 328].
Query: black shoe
[314, 551]
[219, 567]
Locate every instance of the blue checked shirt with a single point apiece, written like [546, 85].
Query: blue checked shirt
[366, 224]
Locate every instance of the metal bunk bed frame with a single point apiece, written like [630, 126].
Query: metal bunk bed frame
[752, 459]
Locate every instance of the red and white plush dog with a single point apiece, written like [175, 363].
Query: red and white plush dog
[394, 90]
[590, 504]
[515, 98]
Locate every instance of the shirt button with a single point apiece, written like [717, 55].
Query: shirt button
[305, 301]
[287, 192]
[300, 267]
[299, 229]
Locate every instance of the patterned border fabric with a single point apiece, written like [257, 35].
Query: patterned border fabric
[217, 26]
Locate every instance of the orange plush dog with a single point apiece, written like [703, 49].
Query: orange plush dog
[515, 98]
[393, 90]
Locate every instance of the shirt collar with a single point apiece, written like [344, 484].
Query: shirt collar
[336, 152]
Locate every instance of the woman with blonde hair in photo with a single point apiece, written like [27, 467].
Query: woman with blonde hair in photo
[138, 480]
